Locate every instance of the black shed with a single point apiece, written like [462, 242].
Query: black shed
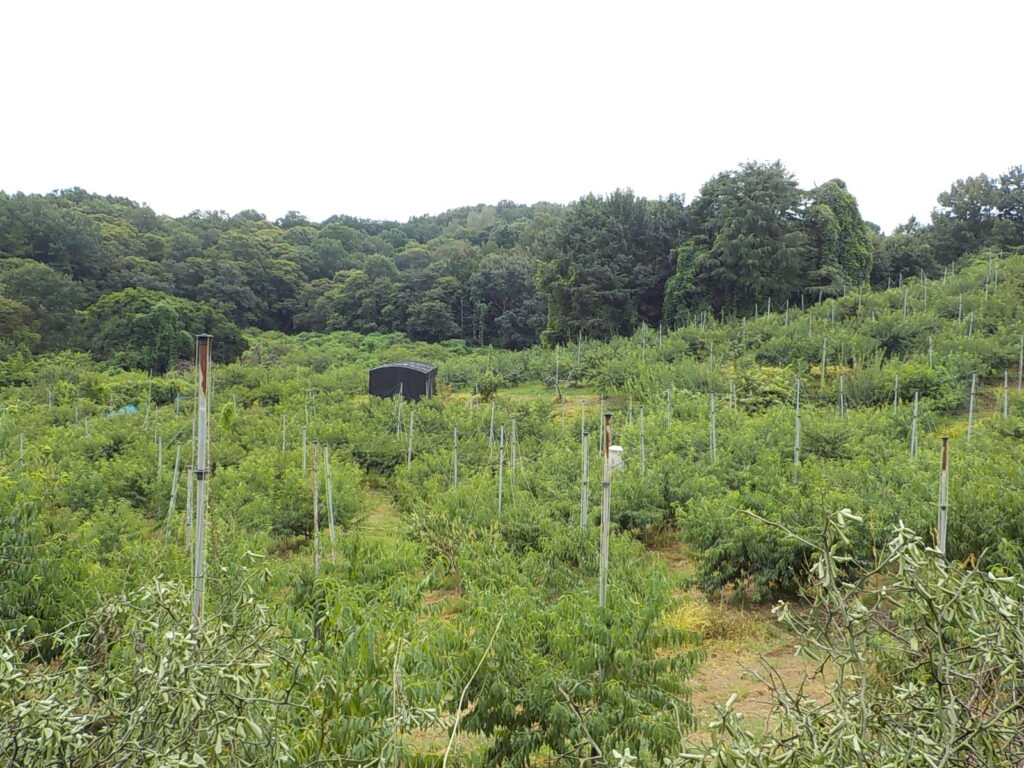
[411, 379]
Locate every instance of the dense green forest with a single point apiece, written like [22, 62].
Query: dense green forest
[414, 584]
[110, 276]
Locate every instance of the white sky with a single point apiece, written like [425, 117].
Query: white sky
[393, 109]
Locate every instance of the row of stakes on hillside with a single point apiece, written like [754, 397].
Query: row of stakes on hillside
[198, 473]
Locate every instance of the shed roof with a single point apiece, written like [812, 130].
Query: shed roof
[410, 364]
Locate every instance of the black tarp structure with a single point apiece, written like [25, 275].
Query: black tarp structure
[409, 378]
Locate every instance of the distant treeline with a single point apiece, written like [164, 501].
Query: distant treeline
[112, 276]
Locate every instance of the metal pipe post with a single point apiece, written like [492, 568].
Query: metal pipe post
[202, 436]
[606, 508]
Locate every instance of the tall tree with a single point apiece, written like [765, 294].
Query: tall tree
[612, 261]
[750, 243]
[839, 237]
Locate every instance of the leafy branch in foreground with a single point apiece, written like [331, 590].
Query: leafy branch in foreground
[921, 659]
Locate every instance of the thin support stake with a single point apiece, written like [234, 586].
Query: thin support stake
[174, 484]
[584, 478]
[455, 458]
[714, 432]
[913, 428]
[501, 467]
[606, 507]
[316, 511]
[330, 499]
[970, 407]
[1006, 393]
[643, 445]
[408, 455]
[940, 542]
[796, 435]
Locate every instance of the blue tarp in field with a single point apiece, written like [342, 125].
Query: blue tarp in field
[124, 409]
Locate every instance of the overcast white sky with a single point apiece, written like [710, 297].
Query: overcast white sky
[394, 109]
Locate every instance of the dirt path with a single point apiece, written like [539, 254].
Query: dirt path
[741, 644]
[381, 518]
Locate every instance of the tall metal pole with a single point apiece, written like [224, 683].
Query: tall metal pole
[970, 407]
[842, 396]
[584, 478]
[305, 450]
[606, 507]
[199, 556]
[896, 393]
[943, 496]
[330, 498]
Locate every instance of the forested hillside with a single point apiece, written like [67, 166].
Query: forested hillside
[418, 584]
[111, 276]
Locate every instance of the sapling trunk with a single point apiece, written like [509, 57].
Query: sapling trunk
[304, 450]
[606, 507]
[842, 397]
[931, 363]
[824, 352]
[940, 542]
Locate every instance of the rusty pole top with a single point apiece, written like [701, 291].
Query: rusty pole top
[945, 454]
[607, 434]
